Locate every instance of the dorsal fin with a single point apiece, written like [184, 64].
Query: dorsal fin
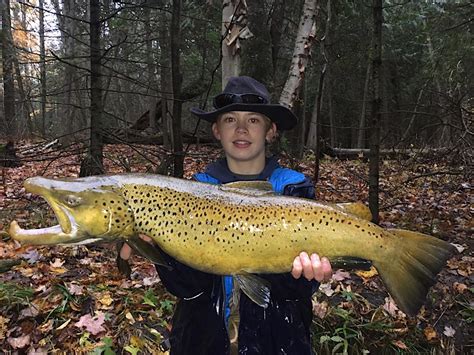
[249, 188]
[357, 209]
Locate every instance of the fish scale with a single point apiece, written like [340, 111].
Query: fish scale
[235, 229]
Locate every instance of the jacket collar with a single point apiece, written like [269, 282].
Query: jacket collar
[221, 172]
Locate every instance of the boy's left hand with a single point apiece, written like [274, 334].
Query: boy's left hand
[312, 268]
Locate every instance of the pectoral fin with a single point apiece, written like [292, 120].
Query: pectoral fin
[256, 288]
[148, 251]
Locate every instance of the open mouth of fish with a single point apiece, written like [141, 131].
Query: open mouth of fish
[65, 232]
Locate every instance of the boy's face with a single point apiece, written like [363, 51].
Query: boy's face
[243, 134]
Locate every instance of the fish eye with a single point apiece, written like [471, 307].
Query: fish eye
[72, 200]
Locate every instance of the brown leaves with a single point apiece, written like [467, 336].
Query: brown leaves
[77, 291]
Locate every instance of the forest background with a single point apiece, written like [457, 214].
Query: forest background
[84, 80]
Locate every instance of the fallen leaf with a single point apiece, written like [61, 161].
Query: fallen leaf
[29, 312]
[400, 344]
[459, 287]
[92, 324]
[326, 289]
[64, 325]
[460, 248]
[449, 331]
[19, 342]
[149, 281]
[430, 333]
[3, 326]
[75, 289]
[57, 263]
[106, 300]
[390, 307]
[340, 275]
[31, 256]
[367, 274]
[46, 327]
[320, 309]
[39, 351]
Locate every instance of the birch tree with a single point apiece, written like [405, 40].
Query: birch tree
[301, 53]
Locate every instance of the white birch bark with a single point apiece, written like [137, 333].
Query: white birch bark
[301, 53]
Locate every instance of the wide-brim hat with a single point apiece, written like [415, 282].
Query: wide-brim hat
[243, 93]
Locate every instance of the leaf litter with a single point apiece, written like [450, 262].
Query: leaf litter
[75, 306]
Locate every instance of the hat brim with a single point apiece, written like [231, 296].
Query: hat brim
[279, 114]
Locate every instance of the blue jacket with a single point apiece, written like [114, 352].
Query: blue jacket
[199, 321]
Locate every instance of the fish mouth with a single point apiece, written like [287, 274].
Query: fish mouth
[65, 232]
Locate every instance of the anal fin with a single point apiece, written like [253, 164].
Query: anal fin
[350, 263]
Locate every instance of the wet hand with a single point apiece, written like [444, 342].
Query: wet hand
[312, 268]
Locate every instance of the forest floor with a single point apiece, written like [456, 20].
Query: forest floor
[73, 299]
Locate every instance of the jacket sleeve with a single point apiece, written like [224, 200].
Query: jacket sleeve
[285, 286]
[182, 280]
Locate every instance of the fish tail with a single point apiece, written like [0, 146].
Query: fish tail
[409, 275]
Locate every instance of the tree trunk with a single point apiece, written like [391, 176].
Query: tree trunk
[375, 112]
[93, 163]
[42, 69]
[278, 22]
[166, 102]
[301, 52]
[314, 134]
[9, 126]
[332, 121]
[150, 64]
[177, 78]
[362, 128]
[65, 16]
[26, 107]
[257, 61]
[230, 46]
[443, 134]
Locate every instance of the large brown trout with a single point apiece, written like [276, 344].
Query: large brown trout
[233, 229]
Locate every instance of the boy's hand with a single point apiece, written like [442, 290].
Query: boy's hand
[313, 268]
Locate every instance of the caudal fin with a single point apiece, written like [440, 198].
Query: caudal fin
[409, 276]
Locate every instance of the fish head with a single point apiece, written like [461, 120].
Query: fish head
[87, 210]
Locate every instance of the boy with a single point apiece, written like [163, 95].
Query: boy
[243, 121]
